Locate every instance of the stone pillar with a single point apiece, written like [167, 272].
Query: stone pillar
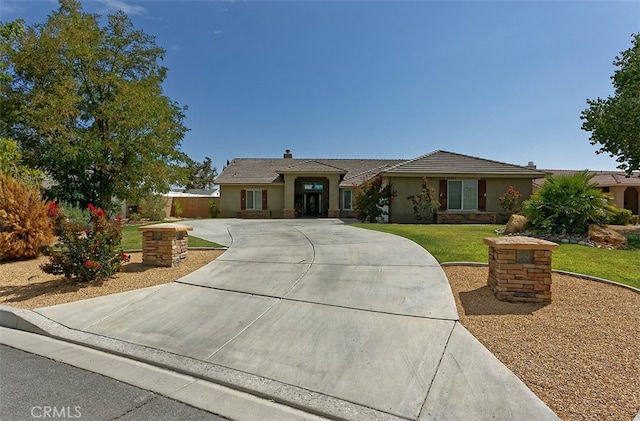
[520, 268]
[164, 244]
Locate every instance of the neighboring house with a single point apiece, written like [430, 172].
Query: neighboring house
[287, 187]
[624, 190]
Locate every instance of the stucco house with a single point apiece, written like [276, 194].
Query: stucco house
[288, 187]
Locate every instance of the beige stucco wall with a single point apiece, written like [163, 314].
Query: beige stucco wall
[230, 199]
[401, 209]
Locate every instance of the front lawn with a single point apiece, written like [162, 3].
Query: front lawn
[132, 239]
[463, 243]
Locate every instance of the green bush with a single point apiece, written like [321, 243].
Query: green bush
[24, 225]
[177, 208]
[85, 252]
[620, 216]
[635, 219]
[75, 215]
[152, 207]
[213, 208]
[567, 205]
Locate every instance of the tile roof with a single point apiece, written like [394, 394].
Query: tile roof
[267, 170]
[444, 162]
[601, 178]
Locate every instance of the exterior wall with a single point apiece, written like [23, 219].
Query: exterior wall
[192, 207]
[402, 212]
[230, 200]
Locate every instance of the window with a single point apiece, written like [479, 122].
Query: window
[254, 199]
[347, 196]
[462, 195]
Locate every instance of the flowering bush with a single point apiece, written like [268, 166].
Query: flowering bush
[510, 201]
[370, 199]
[88, 251]
[426, 204]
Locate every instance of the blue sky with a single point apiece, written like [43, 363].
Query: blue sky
[503, 80]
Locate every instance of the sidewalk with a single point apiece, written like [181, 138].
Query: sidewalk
[312, 314]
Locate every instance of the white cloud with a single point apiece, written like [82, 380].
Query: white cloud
[129, 9]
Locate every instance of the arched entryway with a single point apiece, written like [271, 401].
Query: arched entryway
[631, 199]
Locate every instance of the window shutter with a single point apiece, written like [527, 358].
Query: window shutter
[264, 200]
[443, 194]
[482, 195]
[243, 199]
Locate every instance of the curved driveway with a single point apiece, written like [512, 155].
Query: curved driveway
[336, 320]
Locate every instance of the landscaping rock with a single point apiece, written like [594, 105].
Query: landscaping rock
[517, 223]
[606, 236]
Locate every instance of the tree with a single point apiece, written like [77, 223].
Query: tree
[426, 204]
[370, 199]
[86, 105]
[200, 175]
[614, 122]
[10, 163]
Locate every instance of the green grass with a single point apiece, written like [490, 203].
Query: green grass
[132, 239]
[463, 243]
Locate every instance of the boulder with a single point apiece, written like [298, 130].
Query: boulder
[606, 236]
[517, 223]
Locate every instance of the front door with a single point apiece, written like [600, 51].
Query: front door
[312, 201]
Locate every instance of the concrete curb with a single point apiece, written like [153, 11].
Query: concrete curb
[563, 272]
[284, 394]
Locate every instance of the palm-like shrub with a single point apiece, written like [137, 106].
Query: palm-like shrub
[567, 204]
[24, 225]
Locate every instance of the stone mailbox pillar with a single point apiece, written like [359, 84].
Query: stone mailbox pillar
[164, 244]
[520, 268]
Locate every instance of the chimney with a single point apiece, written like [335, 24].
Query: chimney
[287, 154]
[531, 165]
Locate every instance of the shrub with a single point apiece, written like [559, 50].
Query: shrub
[152, 207]
[213, 208]
[85, 252]
[177, 208]
[24, 225]
[510, 201]
[635, 219]
[426, 204]
[567, 205]
[75, 214]
[370, 199]
[620, 216]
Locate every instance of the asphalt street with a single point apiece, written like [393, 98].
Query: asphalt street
[34, 387]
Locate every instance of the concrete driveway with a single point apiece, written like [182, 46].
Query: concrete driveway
[335, 320]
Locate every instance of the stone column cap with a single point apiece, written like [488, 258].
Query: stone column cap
[519, 243]
[168, 227]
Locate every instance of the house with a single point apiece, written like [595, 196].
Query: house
[625, 190]
[287, 187]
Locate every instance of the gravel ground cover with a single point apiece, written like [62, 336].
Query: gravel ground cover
[580, 354]
[24, 285]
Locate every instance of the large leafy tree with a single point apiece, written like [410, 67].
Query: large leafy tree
[86, 105]
[614, 122]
